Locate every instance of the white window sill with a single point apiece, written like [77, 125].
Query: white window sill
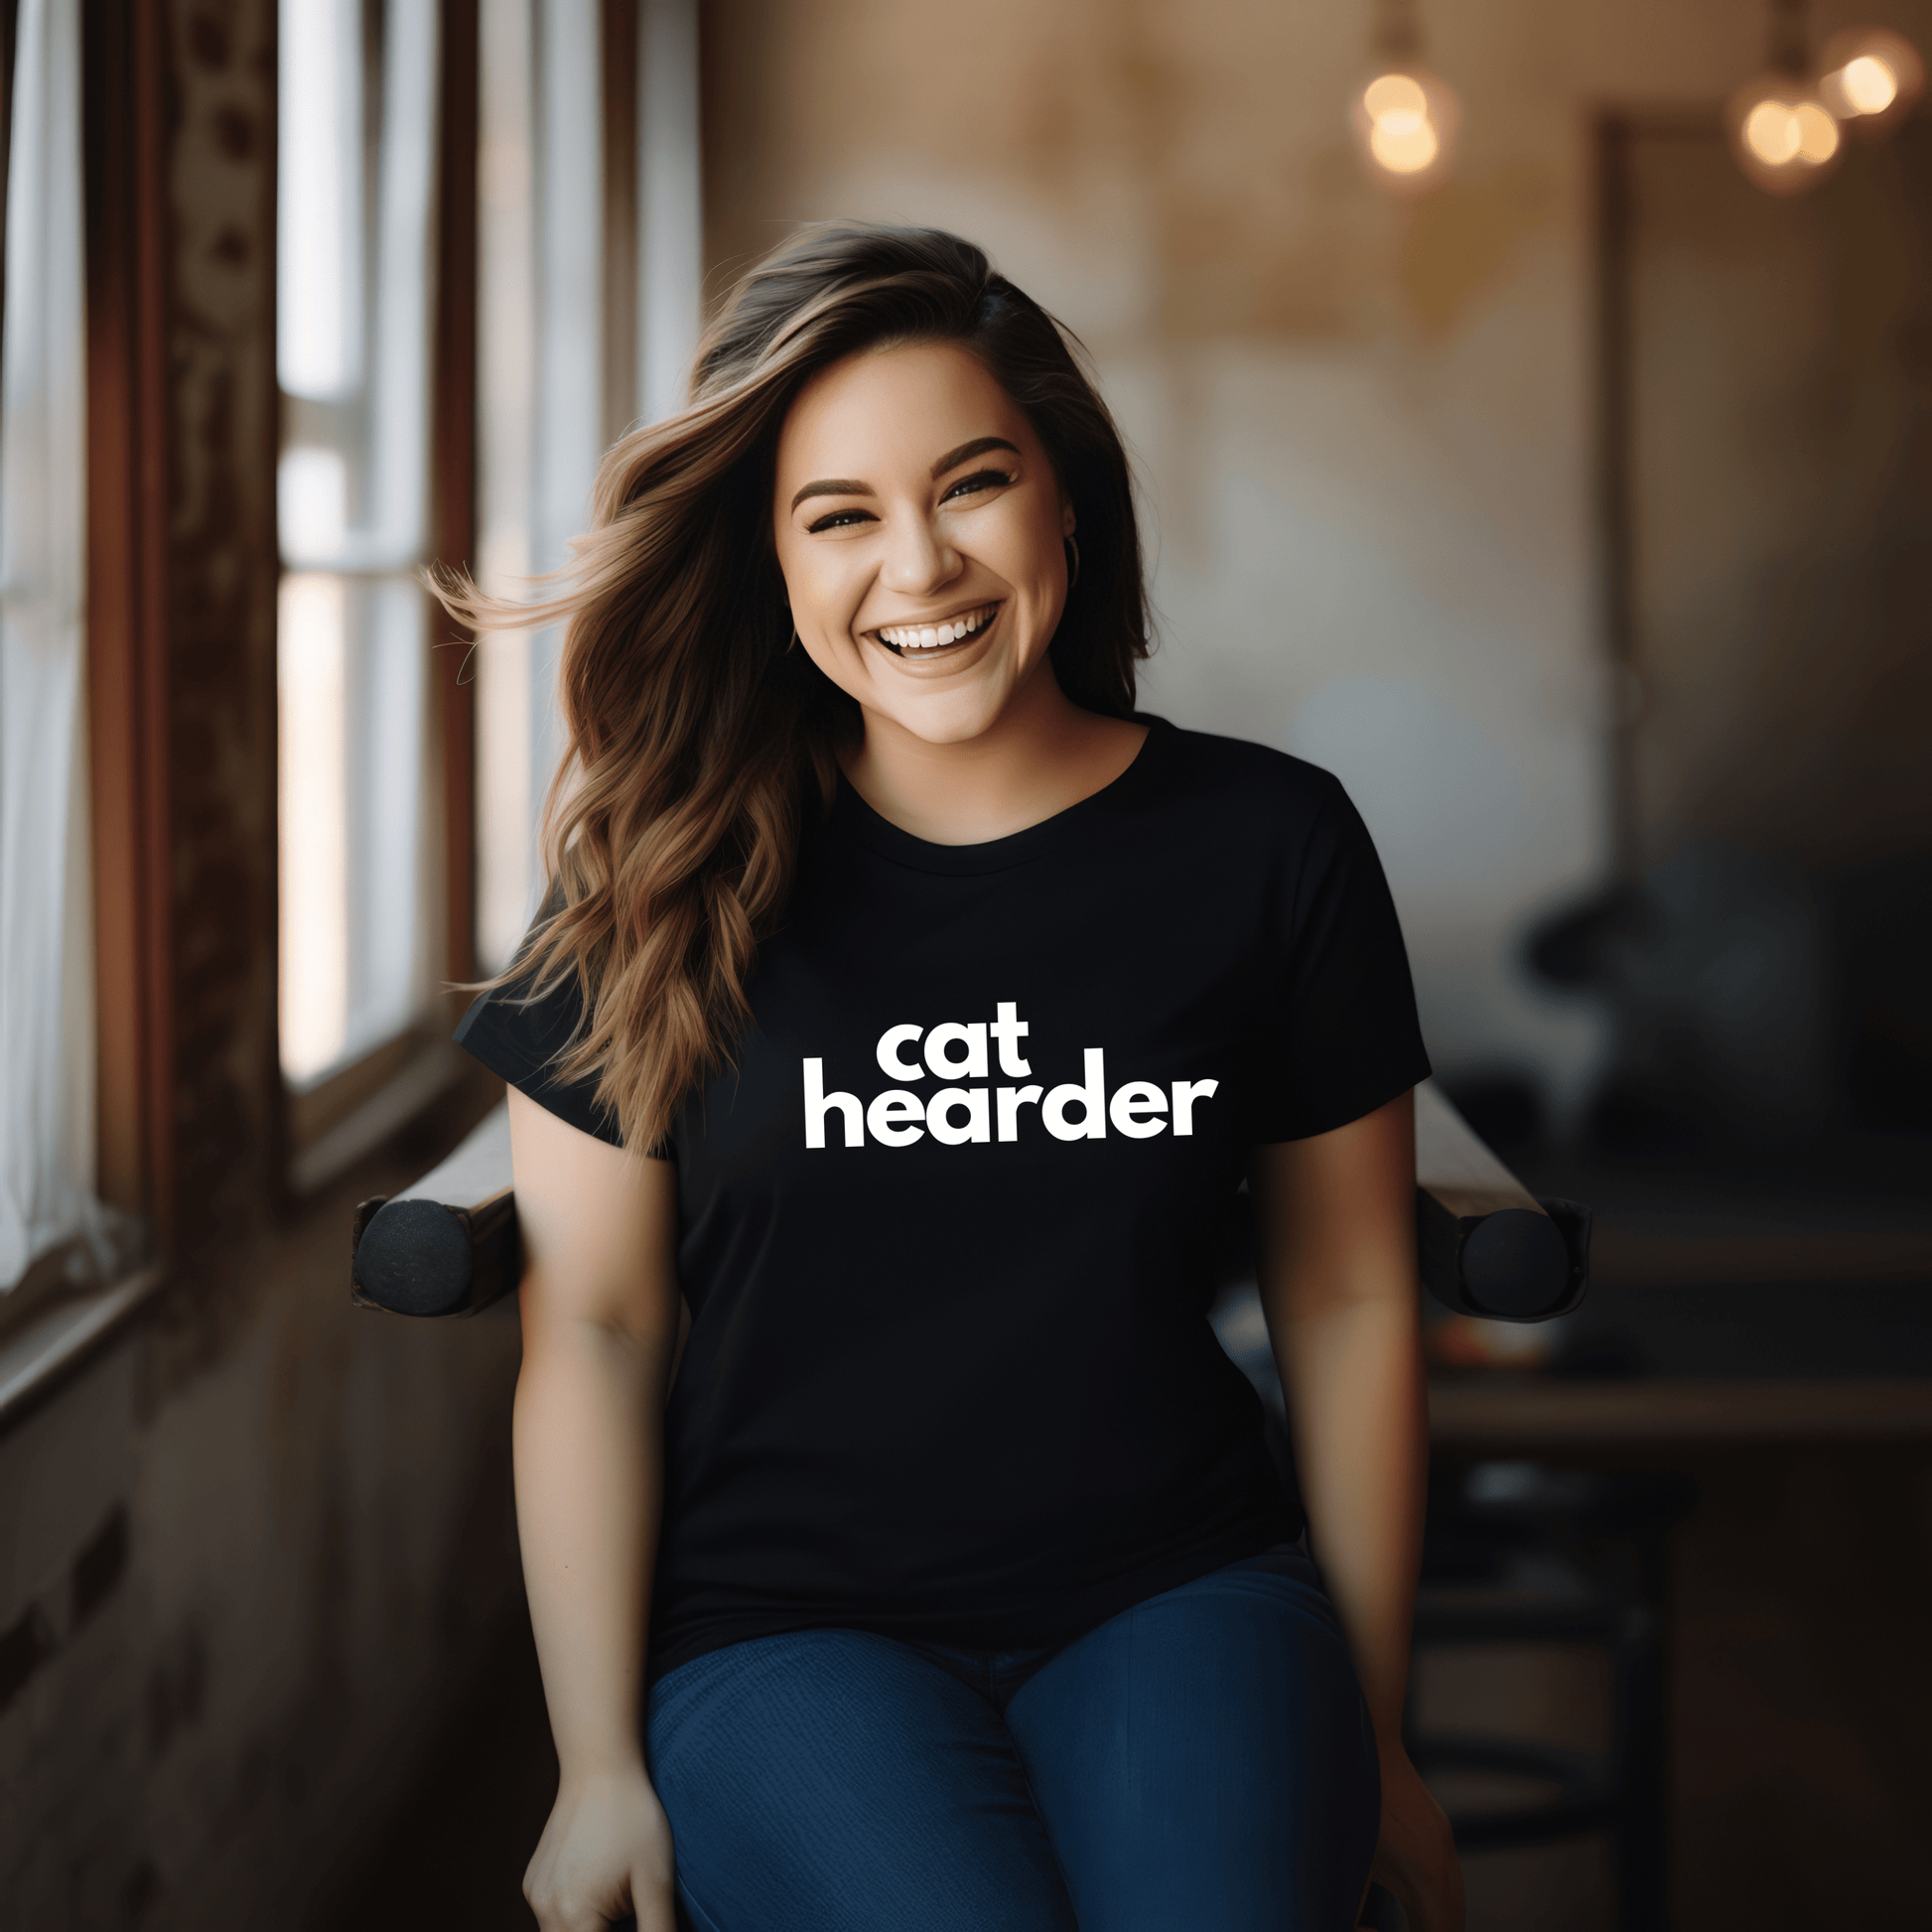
[417, 1086]
[55, 1336]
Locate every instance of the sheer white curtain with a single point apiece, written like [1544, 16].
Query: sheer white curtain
[47, 986]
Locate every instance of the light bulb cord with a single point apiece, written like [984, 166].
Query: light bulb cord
[1397, 34]
[1788, 37]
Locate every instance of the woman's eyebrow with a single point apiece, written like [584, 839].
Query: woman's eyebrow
[848, 487]
[832, 486]
[967, 451]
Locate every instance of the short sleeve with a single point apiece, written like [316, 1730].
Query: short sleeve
[520, 1039]
[1341, 1036]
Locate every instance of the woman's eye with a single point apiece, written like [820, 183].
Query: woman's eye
[979, 480]
[841, 520]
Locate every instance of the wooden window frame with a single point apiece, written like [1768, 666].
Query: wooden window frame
[124, 149]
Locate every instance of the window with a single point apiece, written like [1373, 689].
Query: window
[356, 217]
[374, 354]
[566, 189]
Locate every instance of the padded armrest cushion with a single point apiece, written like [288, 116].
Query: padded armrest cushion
[1485, 1245]
[448, 1244]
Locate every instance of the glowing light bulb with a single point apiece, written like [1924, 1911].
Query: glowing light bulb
[1771, 132]
[1785, 138]
[1868, 78]
[1404, 120]
[1817, 133]
[1395, 96]
[1868, 84]
[1405, 144]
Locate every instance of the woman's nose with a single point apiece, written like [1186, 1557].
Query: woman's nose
[920, 559]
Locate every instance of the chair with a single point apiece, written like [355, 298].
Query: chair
[448, 1245]
[1517, 1554]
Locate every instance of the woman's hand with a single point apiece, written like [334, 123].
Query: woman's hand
[604, 1857]
[1415, 1857]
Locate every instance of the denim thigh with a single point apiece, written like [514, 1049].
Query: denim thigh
[1206, 1760]
[834, 1781]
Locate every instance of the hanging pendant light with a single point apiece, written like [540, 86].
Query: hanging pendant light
[1785, 137]
[1404, 118]
[1870, 78]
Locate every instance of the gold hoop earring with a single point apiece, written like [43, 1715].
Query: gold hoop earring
[1073, 572]
[793, 646]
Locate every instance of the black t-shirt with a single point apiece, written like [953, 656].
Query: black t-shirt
[947, 1229]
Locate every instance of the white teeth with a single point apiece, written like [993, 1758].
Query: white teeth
[929, 637]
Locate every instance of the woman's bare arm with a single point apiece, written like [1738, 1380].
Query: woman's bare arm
[1337, 1249]
[599, 1306]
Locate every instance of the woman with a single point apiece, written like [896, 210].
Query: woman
[907, 1014]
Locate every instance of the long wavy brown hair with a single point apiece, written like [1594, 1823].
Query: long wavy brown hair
[696, 741]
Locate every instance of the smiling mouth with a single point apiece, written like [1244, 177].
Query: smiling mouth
[924, 639]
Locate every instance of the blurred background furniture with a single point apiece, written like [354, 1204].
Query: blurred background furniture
[1517, 1554]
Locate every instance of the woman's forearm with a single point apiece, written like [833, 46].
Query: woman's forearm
[1353, 1370]
[587, 1437]
[1336, 1238]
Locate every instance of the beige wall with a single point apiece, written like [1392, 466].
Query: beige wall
[1363, 428]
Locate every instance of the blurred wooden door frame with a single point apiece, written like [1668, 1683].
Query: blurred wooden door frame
[1614, 133]
[1691, 259]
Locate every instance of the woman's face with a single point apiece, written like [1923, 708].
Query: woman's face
[920, 529]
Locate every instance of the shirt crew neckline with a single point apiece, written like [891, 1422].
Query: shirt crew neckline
[857, 820]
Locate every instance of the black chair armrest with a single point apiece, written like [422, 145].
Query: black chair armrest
[1486, 1246]
[449, 1245]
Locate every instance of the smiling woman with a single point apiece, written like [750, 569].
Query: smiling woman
[875, 1441]
[929, 589]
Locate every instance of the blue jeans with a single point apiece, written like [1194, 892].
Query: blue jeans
[1203, 1762]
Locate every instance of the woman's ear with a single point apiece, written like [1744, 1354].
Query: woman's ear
[1068, 518]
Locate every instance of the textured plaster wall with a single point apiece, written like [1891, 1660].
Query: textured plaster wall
[1363, 429]
[250, 1553]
